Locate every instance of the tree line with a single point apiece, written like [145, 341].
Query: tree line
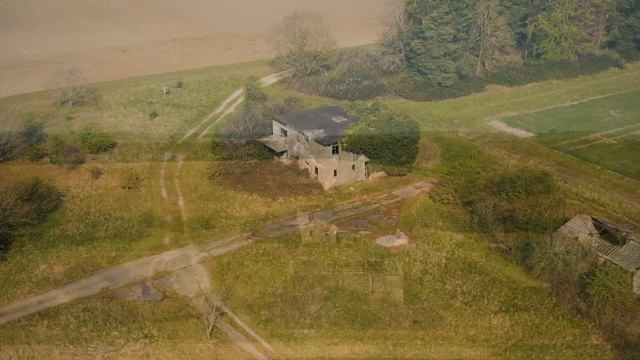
[436, 49]
[445, 41]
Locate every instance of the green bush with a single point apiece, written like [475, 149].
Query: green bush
[536, 70]
[512, 200]
[25, 204]
[253, 91]
[386, 138]
[608, 292]
[97, 142]
[420, 89]
[497, 199]
[562, 264]
[239, 150]
[32, 133]
[417, 88]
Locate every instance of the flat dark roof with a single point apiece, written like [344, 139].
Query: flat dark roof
[325, 125]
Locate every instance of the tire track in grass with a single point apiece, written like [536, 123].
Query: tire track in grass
[176, 182]
[165, 194]
[233, 97]
[170, 262]
[228, 111]
[227, 107]
[230, 104]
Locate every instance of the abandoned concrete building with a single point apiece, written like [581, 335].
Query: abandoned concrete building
[609, 241]
[311, 139]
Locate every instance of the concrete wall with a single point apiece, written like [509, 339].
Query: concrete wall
[333, 170]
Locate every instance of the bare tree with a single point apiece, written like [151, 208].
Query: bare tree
[302, 42]
[69, 87]
[491, 38]
[596, 15]
[244, 124]
[213, 312]
[395, 36]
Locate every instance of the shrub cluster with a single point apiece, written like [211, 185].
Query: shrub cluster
[417, 88]
[239, 150]
[420, 89]
[351, 74]
[97, 142]
[25, 204]
[500, 200]
[537, 70]
[32, 143]
[29, 141]
[386, 138]
[519, 208]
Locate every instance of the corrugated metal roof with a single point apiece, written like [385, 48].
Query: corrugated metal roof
[582, 228]
[627, 257]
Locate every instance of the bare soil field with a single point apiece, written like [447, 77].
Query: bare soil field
[116, 39]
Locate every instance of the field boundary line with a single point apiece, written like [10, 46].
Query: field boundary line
[607, 132]
[588, 83]
[577, 102]
[604, 140]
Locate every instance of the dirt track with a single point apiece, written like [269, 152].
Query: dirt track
[175, 260]
[116, 39]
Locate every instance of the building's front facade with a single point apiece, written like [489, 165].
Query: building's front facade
[311, 139]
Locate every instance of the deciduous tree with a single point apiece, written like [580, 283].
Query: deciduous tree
[303, 43]
[561, 33]
[491, 38]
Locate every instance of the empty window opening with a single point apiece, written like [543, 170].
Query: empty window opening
[335, 173]
[335, 150]
[316, 170]
[284, 132]
[353, 167]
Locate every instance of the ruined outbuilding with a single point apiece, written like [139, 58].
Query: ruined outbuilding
[312, 140]
[611, 242]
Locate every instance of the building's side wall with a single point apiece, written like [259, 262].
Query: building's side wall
[310, 155]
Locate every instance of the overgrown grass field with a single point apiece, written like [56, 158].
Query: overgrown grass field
[445, 296]
[460, 299]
